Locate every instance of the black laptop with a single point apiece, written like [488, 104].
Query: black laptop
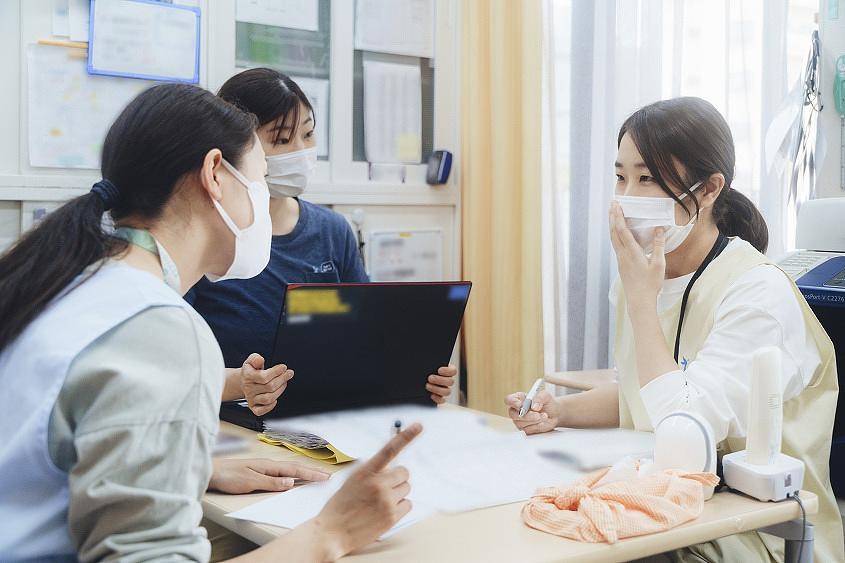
[361, 345]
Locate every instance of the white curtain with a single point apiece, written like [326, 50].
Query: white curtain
[605, 59]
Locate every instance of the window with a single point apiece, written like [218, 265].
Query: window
[607, 58]
[303, 55]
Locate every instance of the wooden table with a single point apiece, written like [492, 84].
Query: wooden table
[498, 534]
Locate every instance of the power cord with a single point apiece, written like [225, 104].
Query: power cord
[722, 487]
[797, 499]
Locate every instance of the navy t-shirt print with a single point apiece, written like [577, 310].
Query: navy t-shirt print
[243, 313]
[327, 272]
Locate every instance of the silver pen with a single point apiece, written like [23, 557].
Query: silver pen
[529, 398]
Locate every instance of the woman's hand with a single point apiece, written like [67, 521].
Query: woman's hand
[642, 276]
[241, 476]
[370, 502]
[262, 387]
[440, 384]
[543, 416]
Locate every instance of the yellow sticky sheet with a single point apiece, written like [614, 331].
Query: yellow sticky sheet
[328, 454]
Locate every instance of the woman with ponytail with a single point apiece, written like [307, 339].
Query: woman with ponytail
[112, 383]
[695, 298]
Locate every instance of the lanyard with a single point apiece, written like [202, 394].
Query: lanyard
[718, 247]
[145, 240]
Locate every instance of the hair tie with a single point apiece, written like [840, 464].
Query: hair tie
[107, 192]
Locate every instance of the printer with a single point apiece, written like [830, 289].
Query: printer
[819, 272]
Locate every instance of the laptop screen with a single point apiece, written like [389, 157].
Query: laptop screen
[360, 345]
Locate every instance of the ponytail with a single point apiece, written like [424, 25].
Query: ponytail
[48, 258]
[160, 138]
[736, 216]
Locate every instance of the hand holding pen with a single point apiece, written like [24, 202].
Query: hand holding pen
[535, 411]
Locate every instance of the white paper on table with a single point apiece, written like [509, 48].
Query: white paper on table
[317, 91]
[361, 433]
[406, 255]
[293, 14]
[149, 40]
[400, 27]
[70, 111]
[501, 470]
[78, 16]
[392, 111]
[294, 507]
[592, 449]
[61, 18]
[456, 464]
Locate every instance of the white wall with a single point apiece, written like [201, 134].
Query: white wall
[339, 182]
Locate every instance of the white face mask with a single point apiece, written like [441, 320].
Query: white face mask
[644, 214]
[288, 174]
[252, 244]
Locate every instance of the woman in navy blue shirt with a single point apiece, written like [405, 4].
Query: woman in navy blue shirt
[311, 244]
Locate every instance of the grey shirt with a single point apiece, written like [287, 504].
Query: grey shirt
[134, 426]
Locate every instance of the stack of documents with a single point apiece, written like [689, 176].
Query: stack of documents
[457, 464]
[305, 443]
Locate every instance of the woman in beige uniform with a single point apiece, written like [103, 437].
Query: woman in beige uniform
[693, 301]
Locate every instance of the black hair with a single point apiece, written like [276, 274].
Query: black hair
[269, 95]
[161, 137]
[691, 132]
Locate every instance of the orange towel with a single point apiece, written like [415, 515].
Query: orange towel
[591, 511]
